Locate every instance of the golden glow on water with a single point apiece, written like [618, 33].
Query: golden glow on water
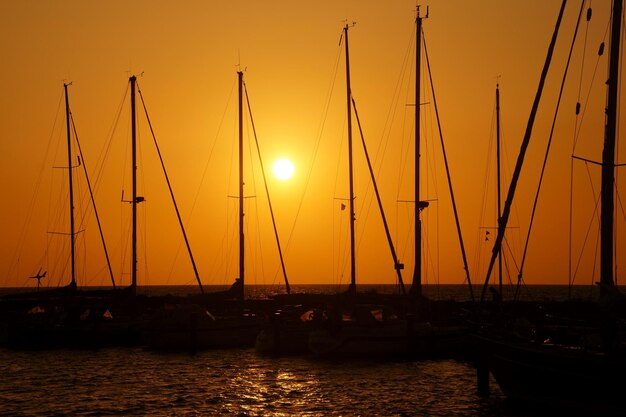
[233, 382]
[281, 387]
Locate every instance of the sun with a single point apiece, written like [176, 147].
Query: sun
[283, 169]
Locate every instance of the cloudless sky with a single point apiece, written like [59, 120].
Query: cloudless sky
[186, 55]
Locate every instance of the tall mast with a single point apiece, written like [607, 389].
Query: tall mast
[241, 213]
[499, 192]
[71, 184]
[608, 153]
[416, 287]
[502, 222]
[352, 287]
[133, 80]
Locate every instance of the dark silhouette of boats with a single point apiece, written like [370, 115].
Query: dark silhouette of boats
[373, 325]
[70, 316]
[568, 356]
[53, 317]
[215, 320]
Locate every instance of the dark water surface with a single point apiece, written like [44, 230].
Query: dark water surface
[133, 381]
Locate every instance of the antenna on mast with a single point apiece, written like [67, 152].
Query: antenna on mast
[418, 12]
[346, 26]
[238, 65]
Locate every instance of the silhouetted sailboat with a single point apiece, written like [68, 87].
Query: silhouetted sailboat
[61, 316]
[395, 326]
[72, 286]
[577, 366]
[205, 322]
[288, 330]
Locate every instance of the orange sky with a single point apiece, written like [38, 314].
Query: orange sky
[188, 55]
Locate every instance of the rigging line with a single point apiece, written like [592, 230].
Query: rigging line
[486, 181]
[480, 237]
[31, 205]
[432, 180]
[406, 142]
[505, 160]
[393, 108]
[445, 159]
[574, 140]
[509, 250]
[617, 135]
[380, 204]
[173, 264]
[391, 114]
[206, 166]
[586, 238]
[169, 186]
[93, 201]
[595, 260]
[231, 236]
[507, 273]
[256, 250]
[101, 162]
[343, 261]
[582, 63]
[365, 209]
[123, 243]
[404, 154]
[621, 206]
[339, 162]
[267, 192]
[367, 200]
[223, 256]
[545, 158]
[518, 167]
[431, 166]
[228, 242]
[144, 208]
[434, 256]
[334, 249]
[408, 236]
[141, 219]
[317, 145]
[593, 76]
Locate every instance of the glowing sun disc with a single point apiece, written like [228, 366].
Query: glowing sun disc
[283, 169]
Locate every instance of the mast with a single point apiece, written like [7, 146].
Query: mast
[502, 221]
[133, 285]
[71, 185]
[352, 287]
[608, 153]
[416, 287]
[499, 192]
[241, 196]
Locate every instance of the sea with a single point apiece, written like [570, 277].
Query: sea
[137, 382]
[240, 382]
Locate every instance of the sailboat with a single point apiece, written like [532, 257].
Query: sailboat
[579, 365]
[392, 326]
[210, 320]
[63, 316]
[71, 287]
[352, 327]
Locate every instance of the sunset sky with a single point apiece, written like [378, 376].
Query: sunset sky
[186, 56]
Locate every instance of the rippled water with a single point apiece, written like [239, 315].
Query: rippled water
[134, 381]
[233, 382]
